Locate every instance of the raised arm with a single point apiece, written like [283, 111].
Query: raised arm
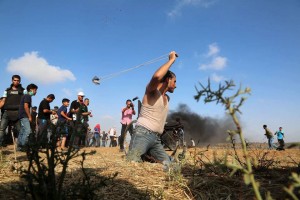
[160, 73]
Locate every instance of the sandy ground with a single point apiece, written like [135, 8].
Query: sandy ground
[135, 180]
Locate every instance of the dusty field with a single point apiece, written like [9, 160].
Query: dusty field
[202, 176]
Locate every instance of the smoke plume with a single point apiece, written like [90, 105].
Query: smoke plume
[204, 130]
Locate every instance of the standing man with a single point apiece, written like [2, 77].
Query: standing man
[10, 106]
[280, 136]
[44, 119]
[25, 116]
[126, 119]
[85, 120]
[270, 137]
[79, 113]
[153, 115]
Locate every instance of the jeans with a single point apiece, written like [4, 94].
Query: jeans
[97, 138]
[270, 143]
[104, 143]
[24, 132]
[144, 140]
[4, 124]
[95, 141]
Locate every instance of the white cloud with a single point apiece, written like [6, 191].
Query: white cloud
[38, 70]
[213, 49]
[216, 78]
[176, 11]
[217, 63]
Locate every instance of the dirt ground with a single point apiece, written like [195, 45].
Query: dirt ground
[149, 181]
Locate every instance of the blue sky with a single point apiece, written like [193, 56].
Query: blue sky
[62, 45]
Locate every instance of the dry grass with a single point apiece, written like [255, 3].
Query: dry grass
[204, 175]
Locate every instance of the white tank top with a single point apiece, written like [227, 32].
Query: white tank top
[154, 117]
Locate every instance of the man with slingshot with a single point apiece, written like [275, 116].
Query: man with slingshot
[152, 118]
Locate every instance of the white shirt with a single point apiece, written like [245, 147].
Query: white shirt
[112, 132]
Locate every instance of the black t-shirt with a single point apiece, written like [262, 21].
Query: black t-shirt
[44, 105]
[81, 109]
[74, 105]
[25, 99]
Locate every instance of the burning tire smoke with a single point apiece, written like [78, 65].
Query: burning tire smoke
[204, 130]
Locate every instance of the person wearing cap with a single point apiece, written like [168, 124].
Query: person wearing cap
[44, 119]
[77, 112]
[75, 105]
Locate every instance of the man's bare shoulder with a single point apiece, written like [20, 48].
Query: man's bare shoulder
[151, 97]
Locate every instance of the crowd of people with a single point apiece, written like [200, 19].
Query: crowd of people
[39, 125]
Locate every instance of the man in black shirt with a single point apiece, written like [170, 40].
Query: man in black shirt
[78, 112]
[44, 118]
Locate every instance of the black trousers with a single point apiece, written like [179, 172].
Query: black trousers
[123, 134]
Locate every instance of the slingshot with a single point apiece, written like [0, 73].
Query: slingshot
[96, 80]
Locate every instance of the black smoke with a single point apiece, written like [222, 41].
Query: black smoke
[204, 130]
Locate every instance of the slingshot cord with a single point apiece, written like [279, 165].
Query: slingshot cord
[132, 68]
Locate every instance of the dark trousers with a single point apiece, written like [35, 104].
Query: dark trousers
[123, 134]
[5, 121]
[281, 144]
[44, 125]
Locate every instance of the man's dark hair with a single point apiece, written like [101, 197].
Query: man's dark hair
[19, 86]
[86, 99]
[31, 86]
[169, 74]
[51, 96]
[65, 100]
[34, 107]
[16, 76]
[264, 126]
[128, 100]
